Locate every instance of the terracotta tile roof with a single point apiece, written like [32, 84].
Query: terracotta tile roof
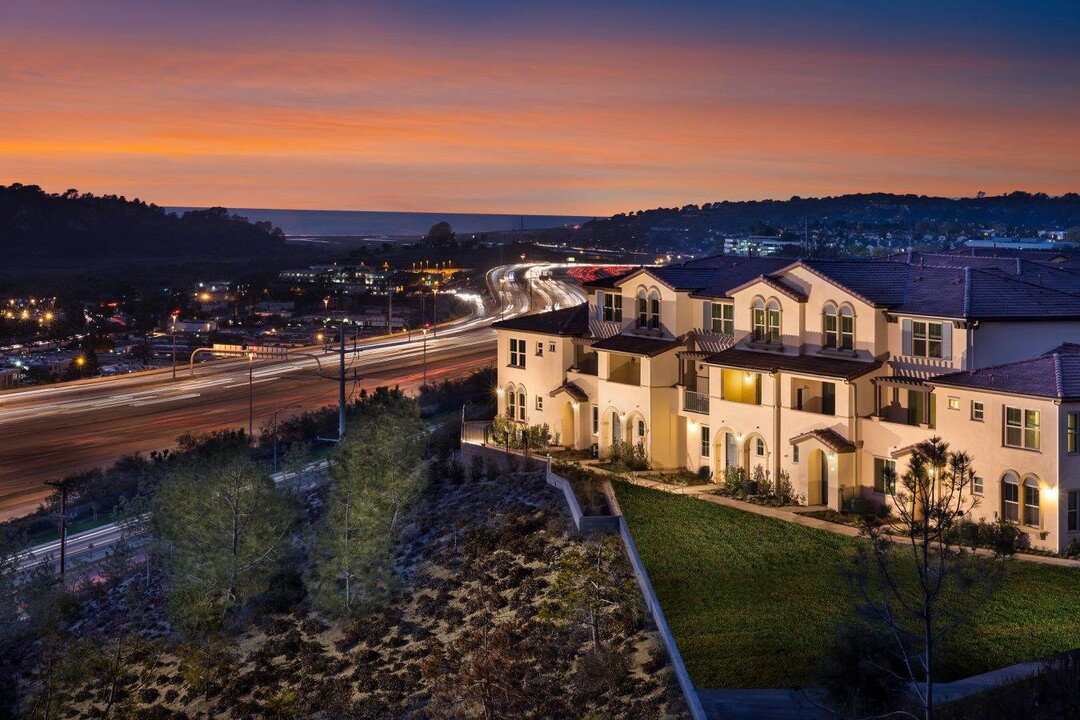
[827, 437]
[638, 344]
[776, 283]
[799, 364]
[1054, 374]
[572, 389]
[568, 321]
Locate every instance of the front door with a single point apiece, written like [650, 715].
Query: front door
[824, 479]
[731, 454]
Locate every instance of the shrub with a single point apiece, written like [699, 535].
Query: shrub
[629, 456]
[476, 469]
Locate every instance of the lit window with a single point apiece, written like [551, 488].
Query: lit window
[704, 441]
[1010, 497]
[1071, 422]
[977, 411]
[517, 353]
[1031, 502]
[723, 318]
[1022, 428]
[758, 312]
[926, 339]
[954, 403]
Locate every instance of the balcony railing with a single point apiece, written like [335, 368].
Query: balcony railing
[695, 402]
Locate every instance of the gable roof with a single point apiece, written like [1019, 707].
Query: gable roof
[827, 437]
[568, 321]
[776, 283]
[1054, 374]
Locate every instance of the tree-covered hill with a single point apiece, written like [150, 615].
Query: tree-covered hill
[39, 228]
[1014, 213]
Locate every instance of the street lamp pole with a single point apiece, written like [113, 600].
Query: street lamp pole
[174, 346]
[425, 356]
[435, 309]
[251, 397]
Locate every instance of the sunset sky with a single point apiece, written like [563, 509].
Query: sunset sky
[562, 107]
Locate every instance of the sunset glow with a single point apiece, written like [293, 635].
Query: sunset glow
[569, 108]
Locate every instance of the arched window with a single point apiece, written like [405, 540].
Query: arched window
[654, 310]
[521, 403]
[1031, 501]
[758, 312]
[773, 319]
[1010, 497]
[830, 328]
[640, 430]
[642, 309]
[759, 447]
[847, 328]
[511, 402]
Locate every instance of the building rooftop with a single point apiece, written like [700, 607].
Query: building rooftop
[1054, 374]
[638, 344]
[568, 321]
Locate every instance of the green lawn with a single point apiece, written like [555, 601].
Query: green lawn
[753, 601]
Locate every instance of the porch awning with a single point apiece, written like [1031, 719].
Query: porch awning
[573, 390]
[901, 382]
[827, 437]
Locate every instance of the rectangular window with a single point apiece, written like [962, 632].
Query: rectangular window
[794, 453]
[723, 318]
[1071, 422]
[954, 403]
[884, 475]
[828, 398]
[539, 348]
[759, 324]
[540, 403]
[551, 347]
[1072, 514]
[704, 441]
[774, 326]
[521, 406]
[612, 307]
[517, 353]
[1022, 428]
[595, 420]
[977, 485]
[978, 412]
[926, 339]
[642, 312]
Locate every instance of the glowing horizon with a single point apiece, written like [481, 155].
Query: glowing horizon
[571, 109]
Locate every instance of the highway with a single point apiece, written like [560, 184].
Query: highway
[49, 432]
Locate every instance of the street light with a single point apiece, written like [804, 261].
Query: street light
[175, 314]
[276, 413]
[435, 309]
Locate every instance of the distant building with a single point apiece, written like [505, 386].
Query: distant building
[759, 245]
[1007, 243]
[9, 378]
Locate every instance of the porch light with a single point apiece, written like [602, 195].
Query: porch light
[748, 378]
[693, 425]
[499, 391]
[574, 405]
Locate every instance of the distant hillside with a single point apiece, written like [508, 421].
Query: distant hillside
[1018, 212]
[39, 229]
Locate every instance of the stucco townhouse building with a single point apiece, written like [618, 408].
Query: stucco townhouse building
[827, 370]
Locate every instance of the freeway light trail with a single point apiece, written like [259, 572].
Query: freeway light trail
[49, 432]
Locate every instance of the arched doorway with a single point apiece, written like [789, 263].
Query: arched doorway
[568, 426]
[817, 490]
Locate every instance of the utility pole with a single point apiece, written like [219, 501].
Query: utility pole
[251, 397]
[389, 306]
[425, 356]
[63, 486]
[341, 385]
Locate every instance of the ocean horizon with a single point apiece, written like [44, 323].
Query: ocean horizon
[390, 224]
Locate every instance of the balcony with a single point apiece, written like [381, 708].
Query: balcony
[695, 402]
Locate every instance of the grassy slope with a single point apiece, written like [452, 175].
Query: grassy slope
[753, 601]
